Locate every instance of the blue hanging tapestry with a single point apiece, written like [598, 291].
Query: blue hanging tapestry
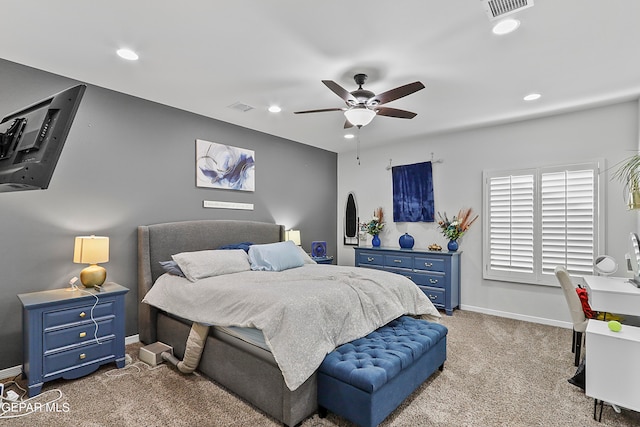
[413, 193]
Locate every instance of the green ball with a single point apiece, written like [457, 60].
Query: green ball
[614, 325]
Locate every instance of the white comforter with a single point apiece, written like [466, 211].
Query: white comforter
[304, 312]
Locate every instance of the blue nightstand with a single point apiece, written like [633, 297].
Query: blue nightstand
[323, 259]
[59, 333]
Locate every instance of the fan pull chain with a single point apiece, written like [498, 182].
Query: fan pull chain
[358, 146]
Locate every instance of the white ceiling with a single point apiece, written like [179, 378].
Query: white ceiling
[204, 55]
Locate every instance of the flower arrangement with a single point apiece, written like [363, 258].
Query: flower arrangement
[454, 229]
[375, 225]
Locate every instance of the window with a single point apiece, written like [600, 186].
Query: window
[537, 219]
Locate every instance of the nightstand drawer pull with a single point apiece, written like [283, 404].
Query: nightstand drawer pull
[433, 281]
[399, 261]
[83, 314]
[428, 264]
[433, 297]
[82, 356]
[370, 259]
[83, 334]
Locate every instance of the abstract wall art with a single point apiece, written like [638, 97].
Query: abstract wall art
[224, 166]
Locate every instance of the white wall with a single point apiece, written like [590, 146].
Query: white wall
[609, 132]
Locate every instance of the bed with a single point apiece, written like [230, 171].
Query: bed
[243, 366]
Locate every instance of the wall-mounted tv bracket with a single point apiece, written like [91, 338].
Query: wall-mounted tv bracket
[9, 139]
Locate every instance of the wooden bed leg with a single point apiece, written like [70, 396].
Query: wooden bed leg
[322, 412]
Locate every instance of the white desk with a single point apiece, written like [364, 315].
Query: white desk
[613, 372]
[613, 295]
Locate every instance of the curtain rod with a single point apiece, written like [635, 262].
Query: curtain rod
[432, 161]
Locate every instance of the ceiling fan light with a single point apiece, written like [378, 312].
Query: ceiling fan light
[359, 116]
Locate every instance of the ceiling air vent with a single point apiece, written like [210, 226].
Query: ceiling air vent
[240, 107]
[497, 9]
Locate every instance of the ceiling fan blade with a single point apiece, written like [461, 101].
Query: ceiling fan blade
[319, 111]
[340, 91]
[399, 92]
[394, 112]
[347, 124]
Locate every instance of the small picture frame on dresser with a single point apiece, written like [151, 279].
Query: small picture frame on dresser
[318, 249]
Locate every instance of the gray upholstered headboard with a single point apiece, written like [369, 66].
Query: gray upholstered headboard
[159, 241]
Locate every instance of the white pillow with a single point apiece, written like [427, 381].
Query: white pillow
[275, 256]
[201, 264]
[305, 256]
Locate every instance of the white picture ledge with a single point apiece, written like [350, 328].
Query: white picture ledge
[227, 205]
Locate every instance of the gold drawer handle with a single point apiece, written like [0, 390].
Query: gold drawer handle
[82, 356]
[428, 264]
[433, 297]
[399, 261]
[433, 281]
[83, 314]
[369, 259]
[83, 334]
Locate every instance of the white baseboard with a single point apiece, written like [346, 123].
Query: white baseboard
[11, 372]
[17, 370]
[516, 316]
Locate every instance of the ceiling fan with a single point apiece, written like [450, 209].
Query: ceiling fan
[363, 105]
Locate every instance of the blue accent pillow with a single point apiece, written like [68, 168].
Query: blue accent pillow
[275, 256]
[244, 246]
[172, 267]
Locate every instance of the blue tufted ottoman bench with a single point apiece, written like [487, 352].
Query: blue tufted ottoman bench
[366, 379]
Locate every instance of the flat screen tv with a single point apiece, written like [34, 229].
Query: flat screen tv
[31, 140]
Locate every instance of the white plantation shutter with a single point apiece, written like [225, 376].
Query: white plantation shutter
[511, 214]
[568, 220]
[537, 219]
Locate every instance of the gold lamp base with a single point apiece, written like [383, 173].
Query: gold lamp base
[633, 202]
[94, 275]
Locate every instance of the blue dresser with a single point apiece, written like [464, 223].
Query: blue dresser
[59, 333]
[436, 273]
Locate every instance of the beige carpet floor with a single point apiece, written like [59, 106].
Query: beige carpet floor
[499, 372]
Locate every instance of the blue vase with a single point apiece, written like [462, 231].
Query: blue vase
[452, 245]
[406, 241]
[375, 242]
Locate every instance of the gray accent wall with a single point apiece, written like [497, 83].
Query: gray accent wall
[128, 162]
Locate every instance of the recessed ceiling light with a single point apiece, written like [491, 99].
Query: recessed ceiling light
[275, 109]
[532, 97]
[349, 136]
[506, 26]
[127, 54]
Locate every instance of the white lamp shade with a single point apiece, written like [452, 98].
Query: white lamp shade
[91, 249]
[293, 235]
[359, 116]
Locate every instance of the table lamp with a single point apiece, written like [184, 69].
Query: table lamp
[293, 235]
[91, 250]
